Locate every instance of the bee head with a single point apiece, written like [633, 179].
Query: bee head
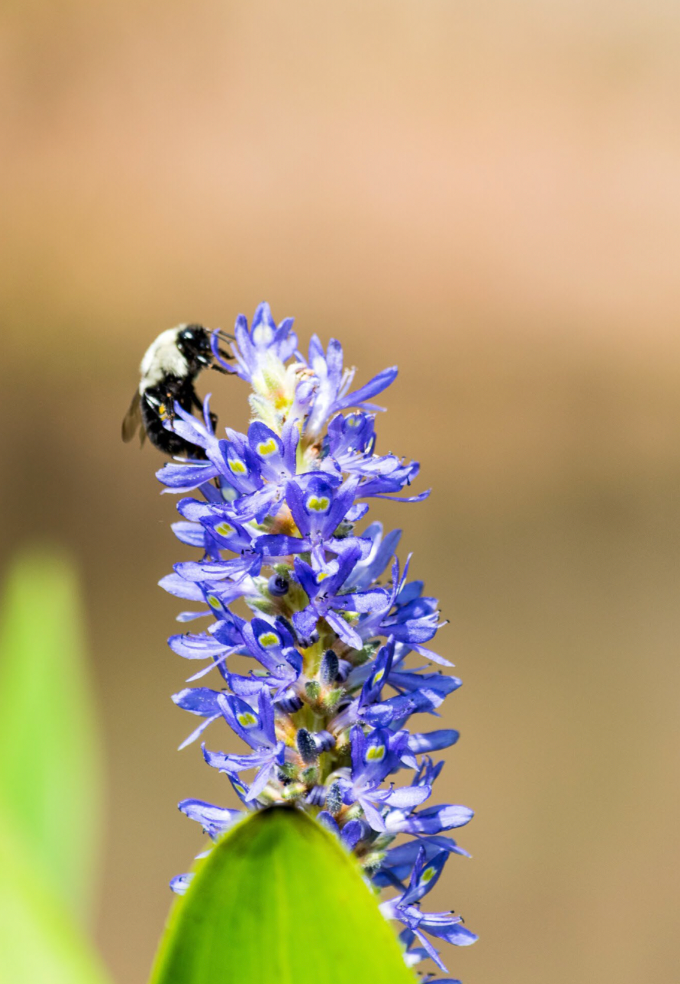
[193, 341]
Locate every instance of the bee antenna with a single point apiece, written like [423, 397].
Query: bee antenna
[225, 335]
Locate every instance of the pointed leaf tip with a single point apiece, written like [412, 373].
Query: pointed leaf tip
[279, 900]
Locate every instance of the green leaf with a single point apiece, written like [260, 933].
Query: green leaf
[279, 901]
[39, 943]
[49, 749]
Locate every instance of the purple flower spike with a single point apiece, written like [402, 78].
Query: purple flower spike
[316, 690]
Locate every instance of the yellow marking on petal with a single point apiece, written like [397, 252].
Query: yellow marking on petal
[353, 420]
[215, 602]
[246, 720]
[236, 467]
[239, 788]
[267, 447]
[322, 576]
[268, 639]
[376, 753]
[427, 876]
[318, 503]
[224, 529]
[378, 677]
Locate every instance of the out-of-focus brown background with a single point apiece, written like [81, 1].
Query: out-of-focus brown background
[487, 194]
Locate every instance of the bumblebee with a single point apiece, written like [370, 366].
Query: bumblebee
[168, 373]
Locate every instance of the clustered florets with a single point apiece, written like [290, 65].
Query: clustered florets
[329, 639]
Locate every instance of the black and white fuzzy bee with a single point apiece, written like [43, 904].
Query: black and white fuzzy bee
[168, 370]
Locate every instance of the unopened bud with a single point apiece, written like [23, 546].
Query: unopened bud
[328, 671]
[334, 799]
[324, 741]
[316, 796]
[277, 586]
[310, 776]
[289, 704]
[306, 746]
[313, 690]
[344, 667]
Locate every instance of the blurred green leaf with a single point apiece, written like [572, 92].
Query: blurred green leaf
[279, 901]
[49, 749]
[39, 942]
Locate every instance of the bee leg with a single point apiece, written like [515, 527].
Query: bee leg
[165, 407]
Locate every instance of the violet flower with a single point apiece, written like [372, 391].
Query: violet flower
[325, 713]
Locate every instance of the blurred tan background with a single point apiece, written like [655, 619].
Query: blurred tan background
[487, 194]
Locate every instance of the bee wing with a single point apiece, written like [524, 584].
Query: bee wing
[132, 421]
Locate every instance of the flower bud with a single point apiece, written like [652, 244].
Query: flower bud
[278, 586]
[306, 746]
[328, 671]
